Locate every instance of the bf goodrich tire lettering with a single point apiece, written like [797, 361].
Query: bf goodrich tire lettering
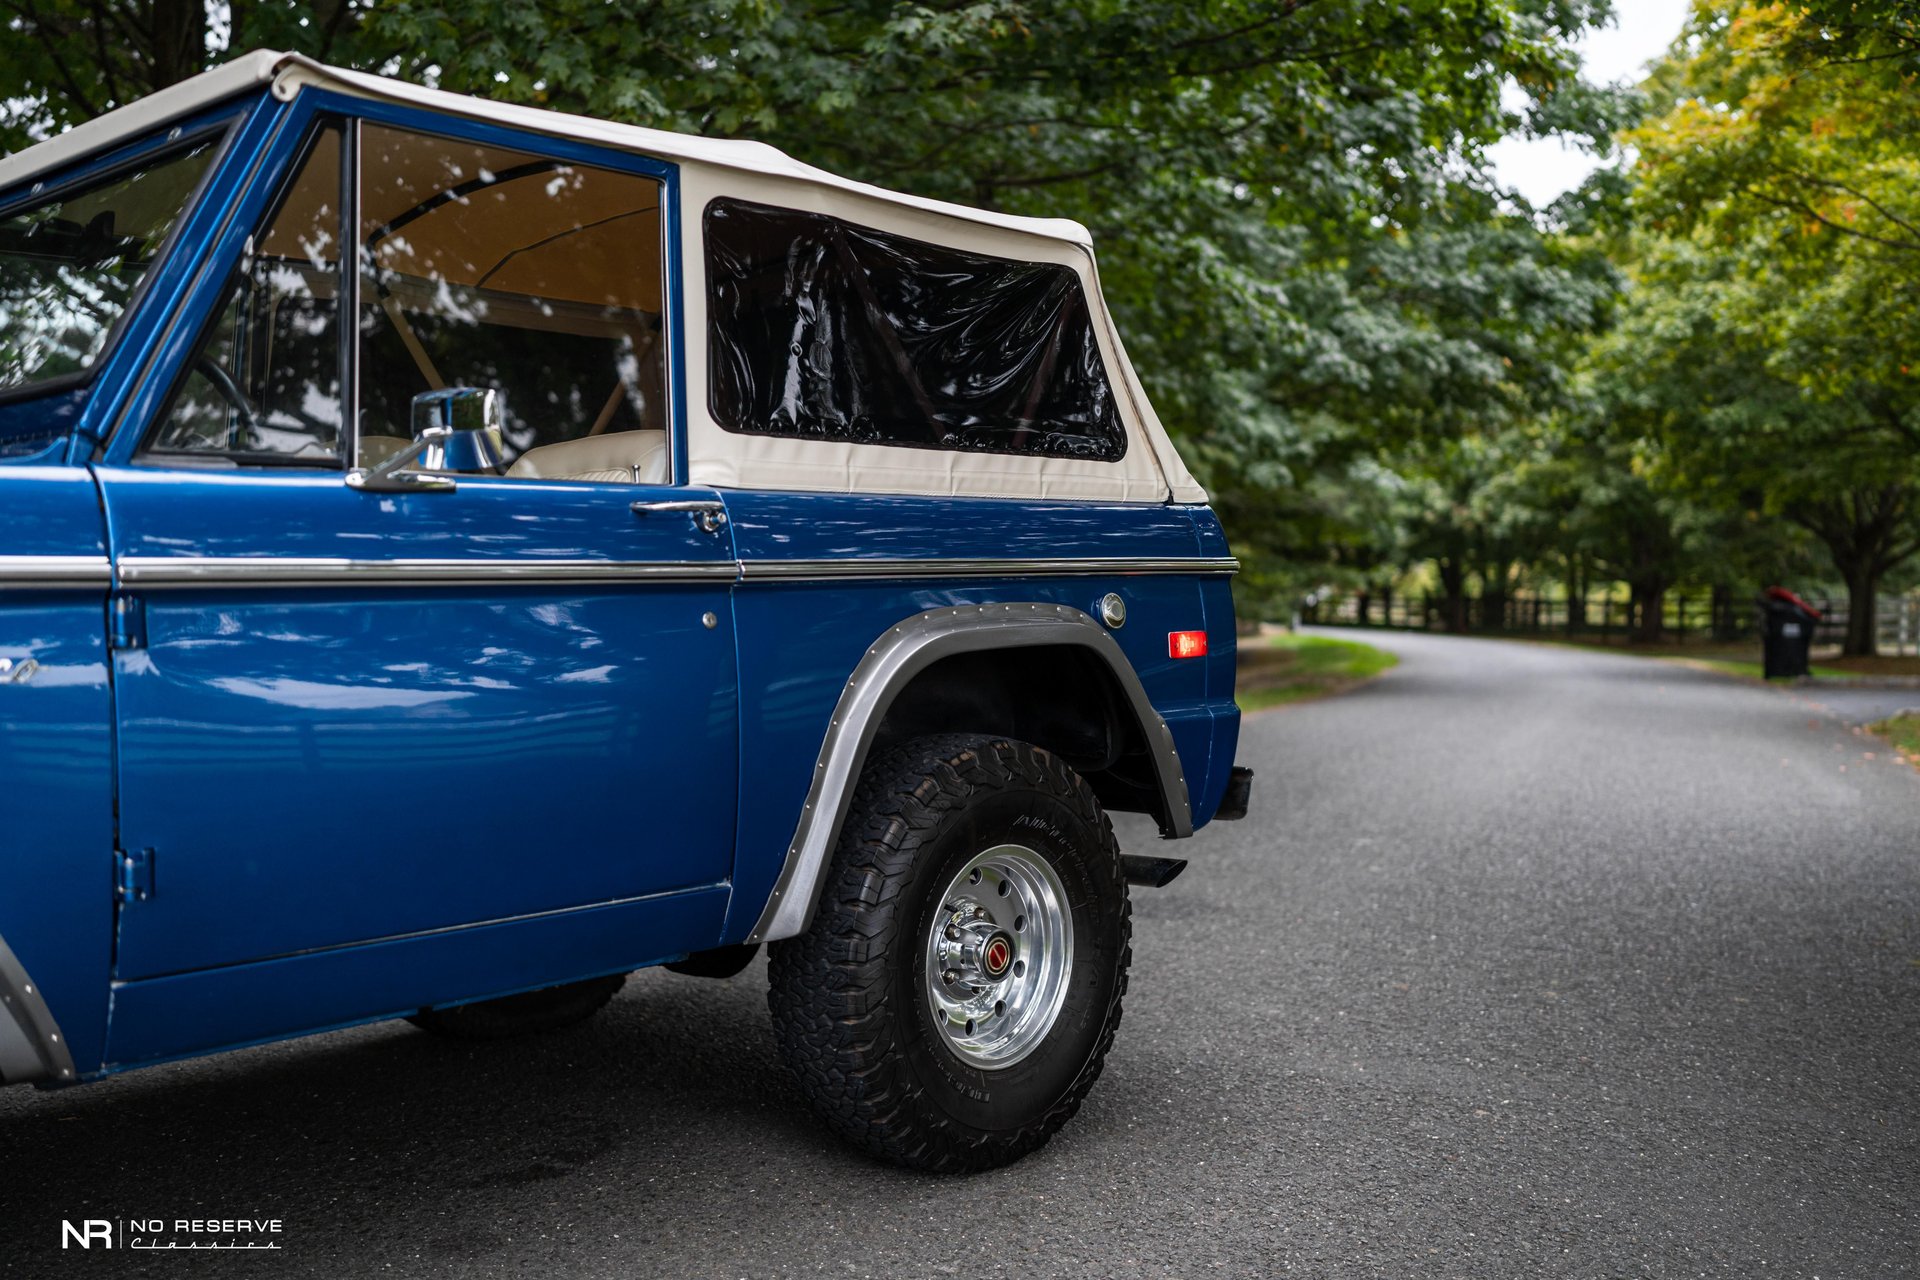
[899, 935]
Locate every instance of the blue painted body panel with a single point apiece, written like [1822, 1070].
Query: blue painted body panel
[56, 756]
[442, 755]
[173, 1017]
[1222, 663]
[366, 798]
[799, 641]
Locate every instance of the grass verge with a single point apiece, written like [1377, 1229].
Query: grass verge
[1903, 731]
[1287, 668]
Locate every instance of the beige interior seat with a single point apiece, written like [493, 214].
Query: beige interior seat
[619, 457]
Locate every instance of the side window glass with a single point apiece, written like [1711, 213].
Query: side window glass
[537, 279]
[69, 265]
[823, 330]
[264, 385]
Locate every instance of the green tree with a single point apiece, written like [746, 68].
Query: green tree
[1690, 370]
[1296, 222]
[1774, 336]
[1809, 170]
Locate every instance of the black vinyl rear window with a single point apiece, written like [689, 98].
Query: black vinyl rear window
[822, 330]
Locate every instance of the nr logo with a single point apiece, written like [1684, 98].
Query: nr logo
[86, 1233]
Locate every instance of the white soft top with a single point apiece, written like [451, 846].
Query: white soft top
[1151, 471]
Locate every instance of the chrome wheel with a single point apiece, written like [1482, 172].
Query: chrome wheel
[999, 953]
[914, 932]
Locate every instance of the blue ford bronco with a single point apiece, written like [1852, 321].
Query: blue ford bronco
[453, 555]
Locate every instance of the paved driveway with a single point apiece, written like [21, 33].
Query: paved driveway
[1863, 702]
[1532, 962]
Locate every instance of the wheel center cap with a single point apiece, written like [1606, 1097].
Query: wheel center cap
[997, 956]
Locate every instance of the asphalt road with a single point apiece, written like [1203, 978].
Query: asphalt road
[1862, 702]
[1532, 962]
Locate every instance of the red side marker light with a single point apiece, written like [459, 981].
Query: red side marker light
[1186, 644]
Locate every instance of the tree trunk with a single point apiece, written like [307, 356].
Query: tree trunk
[1868, 531]
[1650, 599]
[1363, 609]
[1576, 595]
[179, 41]
[1493, 597]
[1863, 614]
[1721, 610]
[1453, 585]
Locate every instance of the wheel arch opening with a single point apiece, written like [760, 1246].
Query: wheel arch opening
[1063, 697]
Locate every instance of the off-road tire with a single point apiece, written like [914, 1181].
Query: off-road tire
[528, 1013]
[850, 1009]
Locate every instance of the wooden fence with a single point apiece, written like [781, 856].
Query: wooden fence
[1686, 618]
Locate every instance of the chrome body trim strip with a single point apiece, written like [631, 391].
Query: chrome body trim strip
[275, 571]
[902, 652]
[44, 573]
[759, 570]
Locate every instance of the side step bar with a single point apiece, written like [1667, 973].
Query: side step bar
[1154, 873]
[1158, 873]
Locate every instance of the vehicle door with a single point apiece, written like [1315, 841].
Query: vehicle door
[489, 686]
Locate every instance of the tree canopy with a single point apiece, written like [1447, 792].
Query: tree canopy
[1385, 366]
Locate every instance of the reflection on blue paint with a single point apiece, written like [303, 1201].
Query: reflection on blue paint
[289, 692]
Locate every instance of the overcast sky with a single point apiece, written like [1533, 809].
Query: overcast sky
[1642, 29]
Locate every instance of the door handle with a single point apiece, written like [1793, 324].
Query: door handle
[709, 513]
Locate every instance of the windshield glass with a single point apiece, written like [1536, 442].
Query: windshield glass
[69, 265]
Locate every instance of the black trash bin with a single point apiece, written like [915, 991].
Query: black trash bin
[1786, 632]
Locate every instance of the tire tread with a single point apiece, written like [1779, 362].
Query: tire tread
[831, 995]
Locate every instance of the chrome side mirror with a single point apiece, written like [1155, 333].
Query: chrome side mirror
[455, 429]
[464, 426]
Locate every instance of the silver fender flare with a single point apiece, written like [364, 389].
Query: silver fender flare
[893, 659]
[31, 1046]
